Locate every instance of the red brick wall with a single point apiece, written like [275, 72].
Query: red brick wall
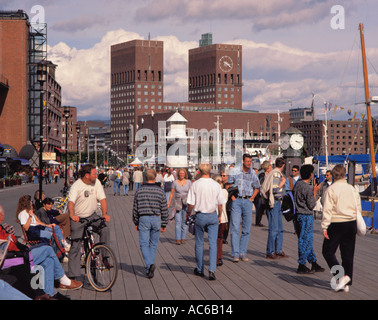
[13, 65]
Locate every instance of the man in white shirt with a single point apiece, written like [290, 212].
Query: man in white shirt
[205, 196]
[117, 181]
[82, 203]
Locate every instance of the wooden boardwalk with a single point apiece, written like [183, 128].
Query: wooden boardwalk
[257, 279]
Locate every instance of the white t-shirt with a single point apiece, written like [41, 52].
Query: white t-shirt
[119, 174]
[85, 197]
[169, 178]
[224, 218]
[205, 194]
[23, 216]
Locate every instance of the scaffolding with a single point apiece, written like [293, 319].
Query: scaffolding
[37, 55]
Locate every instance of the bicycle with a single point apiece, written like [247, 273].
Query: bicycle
[100, 261]
[61, 202]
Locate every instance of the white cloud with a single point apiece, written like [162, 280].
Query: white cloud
[272, 73]
[85, 74]
[273, 14]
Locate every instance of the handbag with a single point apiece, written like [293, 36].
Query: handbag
[361, 225]
[191, 221]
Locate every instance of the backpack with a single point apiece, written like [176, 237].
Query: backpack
[288, 206]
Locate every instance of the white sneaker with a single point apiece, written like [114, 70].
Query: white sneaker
[343, 284]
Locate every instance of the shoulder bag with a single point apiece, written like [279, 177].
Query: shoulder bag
[361, 225]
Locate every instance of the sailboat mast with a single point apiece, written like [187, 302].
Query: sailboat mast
[368, 111]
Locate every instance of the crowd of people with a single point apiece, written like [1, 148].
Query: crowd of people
[223, 204]
[219, 205]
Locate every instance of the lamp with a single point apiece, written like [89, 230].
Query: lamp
[77, 151]
[41, 78]
[66, 114]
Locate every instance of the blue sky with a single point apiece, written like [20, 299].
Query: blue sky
[290, 48]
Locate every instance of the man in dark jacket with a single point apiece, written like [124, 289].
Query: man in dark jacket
[304, 199]
[150, 216]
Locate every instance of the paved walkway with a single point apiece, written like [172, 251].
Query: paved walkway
[257, 279]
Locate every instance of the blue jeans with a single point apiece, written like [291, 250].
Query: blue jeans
[167, 194]
[117, 183]
[149, 232]
[45, 256]
[209, 220]
[47, 233]
[305, 238]
[137, 186]
[180, 227]
[7, 292]
[241, 212]
[275, 235]
[125, 189]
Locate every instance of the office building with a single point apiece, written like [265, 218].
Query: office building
[215, 75]
[137, 88]
[14, 75]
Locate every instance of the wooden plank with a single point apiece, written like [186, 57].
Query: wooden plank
[257, 279]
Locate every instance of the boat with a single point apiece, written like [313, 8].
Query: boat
[361, 169]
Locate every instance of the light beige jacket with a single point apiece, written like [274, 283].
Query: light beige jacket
[266, 189]
[340, 204]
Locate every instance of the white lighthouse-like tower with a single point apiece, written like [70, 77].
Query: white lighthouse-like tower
[177, 151]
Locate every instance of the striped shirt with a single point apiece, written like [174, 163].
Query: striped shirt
[150, 200]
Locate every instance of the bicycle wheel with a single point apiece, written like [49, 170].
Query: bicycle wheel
[101, 267]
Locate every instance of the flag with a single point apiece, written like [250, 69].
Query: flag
[329, 106]
[362, 116]
[354, 117]
[335, 109]
[350, 112]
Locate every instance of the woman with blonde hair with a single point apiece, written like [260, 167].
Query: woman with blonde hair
[179, 195]
[223, 226]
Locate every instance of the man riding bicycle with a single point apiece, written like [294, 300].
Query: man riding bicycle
[82, 203]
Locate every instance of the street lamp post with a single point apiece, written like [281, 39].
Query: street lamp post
[77, 148]
[66, 116]
[41, 77]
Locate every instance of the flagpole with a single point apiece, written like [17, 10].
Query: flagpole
[367, 99]
[326, 133]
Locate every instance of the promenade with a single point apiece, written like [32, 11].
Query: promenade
[257, 279]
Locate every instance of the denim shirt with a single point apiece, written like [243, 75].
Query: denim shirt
[246, 182]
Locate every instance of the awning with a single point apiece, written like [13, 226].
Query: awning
[60, 150]
[24, 162]
[53, 162]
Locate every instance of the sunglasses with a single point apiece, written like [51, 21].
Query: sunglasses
[294, 170]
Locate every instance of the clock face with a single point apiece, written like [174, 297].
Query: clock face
[296, 141]
[285, 142]
[226, 64]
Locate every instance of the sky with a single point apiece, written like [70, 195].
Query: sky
[291, 49]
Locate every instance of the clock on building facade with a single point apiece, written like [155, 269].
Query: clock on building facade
[291, 143]
[226, 64]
